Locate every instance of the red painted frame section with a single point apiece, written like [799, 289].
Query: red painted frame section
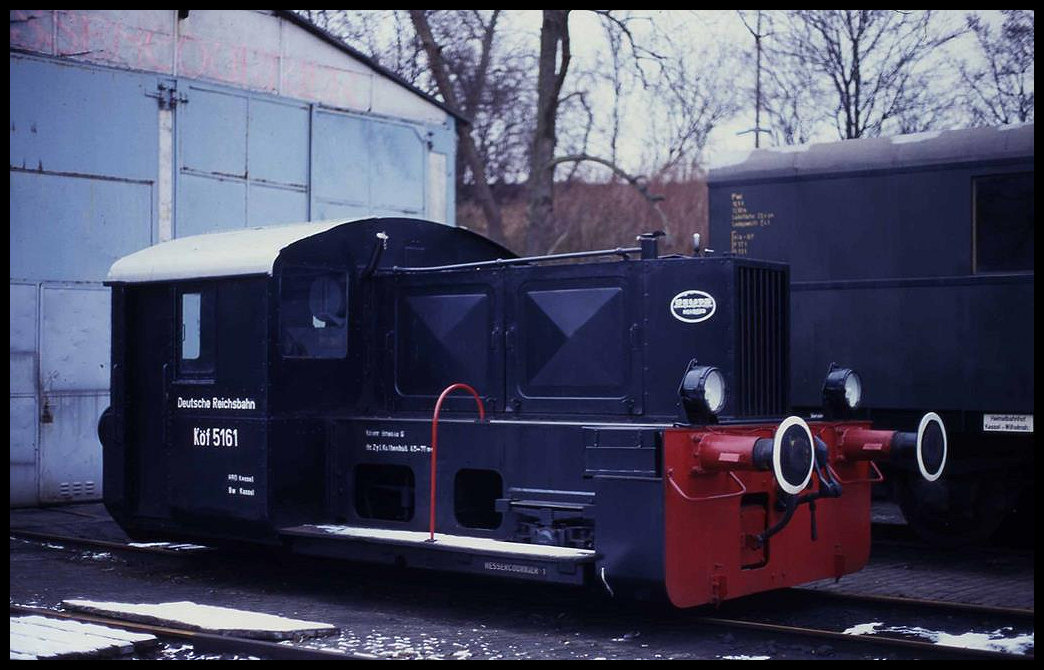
[704, 550]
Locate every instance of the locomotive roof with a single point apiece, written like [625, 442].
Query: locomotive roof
[878, 153]
[254, 251]
[232, 253]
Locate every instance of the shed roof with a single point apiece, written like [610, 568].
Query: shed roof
[327, 36]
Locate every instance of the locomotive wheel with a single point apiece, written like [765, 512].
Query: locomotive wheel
[954, 512]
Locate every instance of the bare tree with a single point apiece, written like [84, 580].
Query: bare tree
[1000, 89]
[875, 63]
[469, 69]
[694, 100]
[552, 66]
[495, 227]
[790, 92]
[929, 106]
[616, 81]
[501, 117]
[492, 83]
[785, 89]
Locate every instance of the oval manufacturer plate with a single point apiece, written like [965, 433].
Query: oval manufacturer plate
[693, 306]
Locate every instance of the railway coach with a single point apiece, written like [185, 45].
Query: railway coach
[399, 391]
[922, 246]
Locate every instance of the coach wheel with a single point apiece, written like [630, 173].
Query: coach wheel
[954, 511]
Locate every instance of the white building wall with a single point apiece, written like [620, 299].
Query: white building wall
[270, 123]
[253, 49]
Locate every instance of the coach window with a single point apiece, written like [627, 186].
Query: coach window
[196, 332]
[1004, 222]
[313, 314]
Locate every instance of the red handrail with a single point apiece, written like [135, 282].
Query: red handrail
[435, 442]
[717, 496]
[873, 466]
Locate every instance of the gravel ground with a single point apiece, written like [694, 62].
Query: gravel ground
[389, 612]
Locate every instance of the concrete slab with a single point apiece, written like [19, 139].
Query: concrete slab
[206, 618]
[45, 638]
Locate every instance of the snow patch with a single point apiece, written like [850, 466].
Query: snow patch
[729, 158]
[744, 657]
[915, 137]
[167, 545]
[456, 542]
[231, 253]
[1003, 640]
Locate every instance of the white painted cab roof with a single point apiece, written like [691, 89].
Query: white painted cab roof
[226, 254]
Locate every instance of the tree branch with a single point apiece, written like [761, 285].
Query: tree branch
[494, 224]
[636, 181]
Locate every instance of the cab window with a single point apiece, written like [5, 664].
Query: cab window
[313, 314]
[196, 331]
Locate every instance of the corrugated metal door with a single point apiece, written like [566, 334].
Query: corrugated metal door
[90, 172]
[247, 159]
[83, 165]
[367, 167]
[74, 376]
[23, 394]
[242, 159]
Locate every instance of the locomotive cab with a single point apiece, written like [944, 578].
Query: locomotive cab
[626, 422]
[229, 350]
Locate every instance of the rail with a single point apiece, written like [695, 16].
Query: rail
[435, 442]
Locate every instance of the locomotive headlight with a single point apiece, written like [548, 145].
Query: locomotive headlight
[712, 385]
[842, 390]
[703, 392]
[853, 389]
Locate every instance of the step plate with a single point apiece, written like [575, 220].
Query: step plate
[458, 553]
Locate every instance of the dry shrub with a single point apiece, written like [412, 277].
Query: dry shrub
[602, 216]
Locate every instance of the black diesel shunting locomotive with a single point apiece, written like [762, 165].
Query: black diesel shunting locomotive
[922, 246]
[401, 391]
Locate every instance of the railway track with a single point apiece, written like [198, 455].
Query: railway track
[162, 548]
[850, 616]
[942, 605]
[928, 649]
[929, 627]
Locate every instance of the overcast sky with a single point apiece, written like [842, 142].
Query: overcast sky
[698, 30]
